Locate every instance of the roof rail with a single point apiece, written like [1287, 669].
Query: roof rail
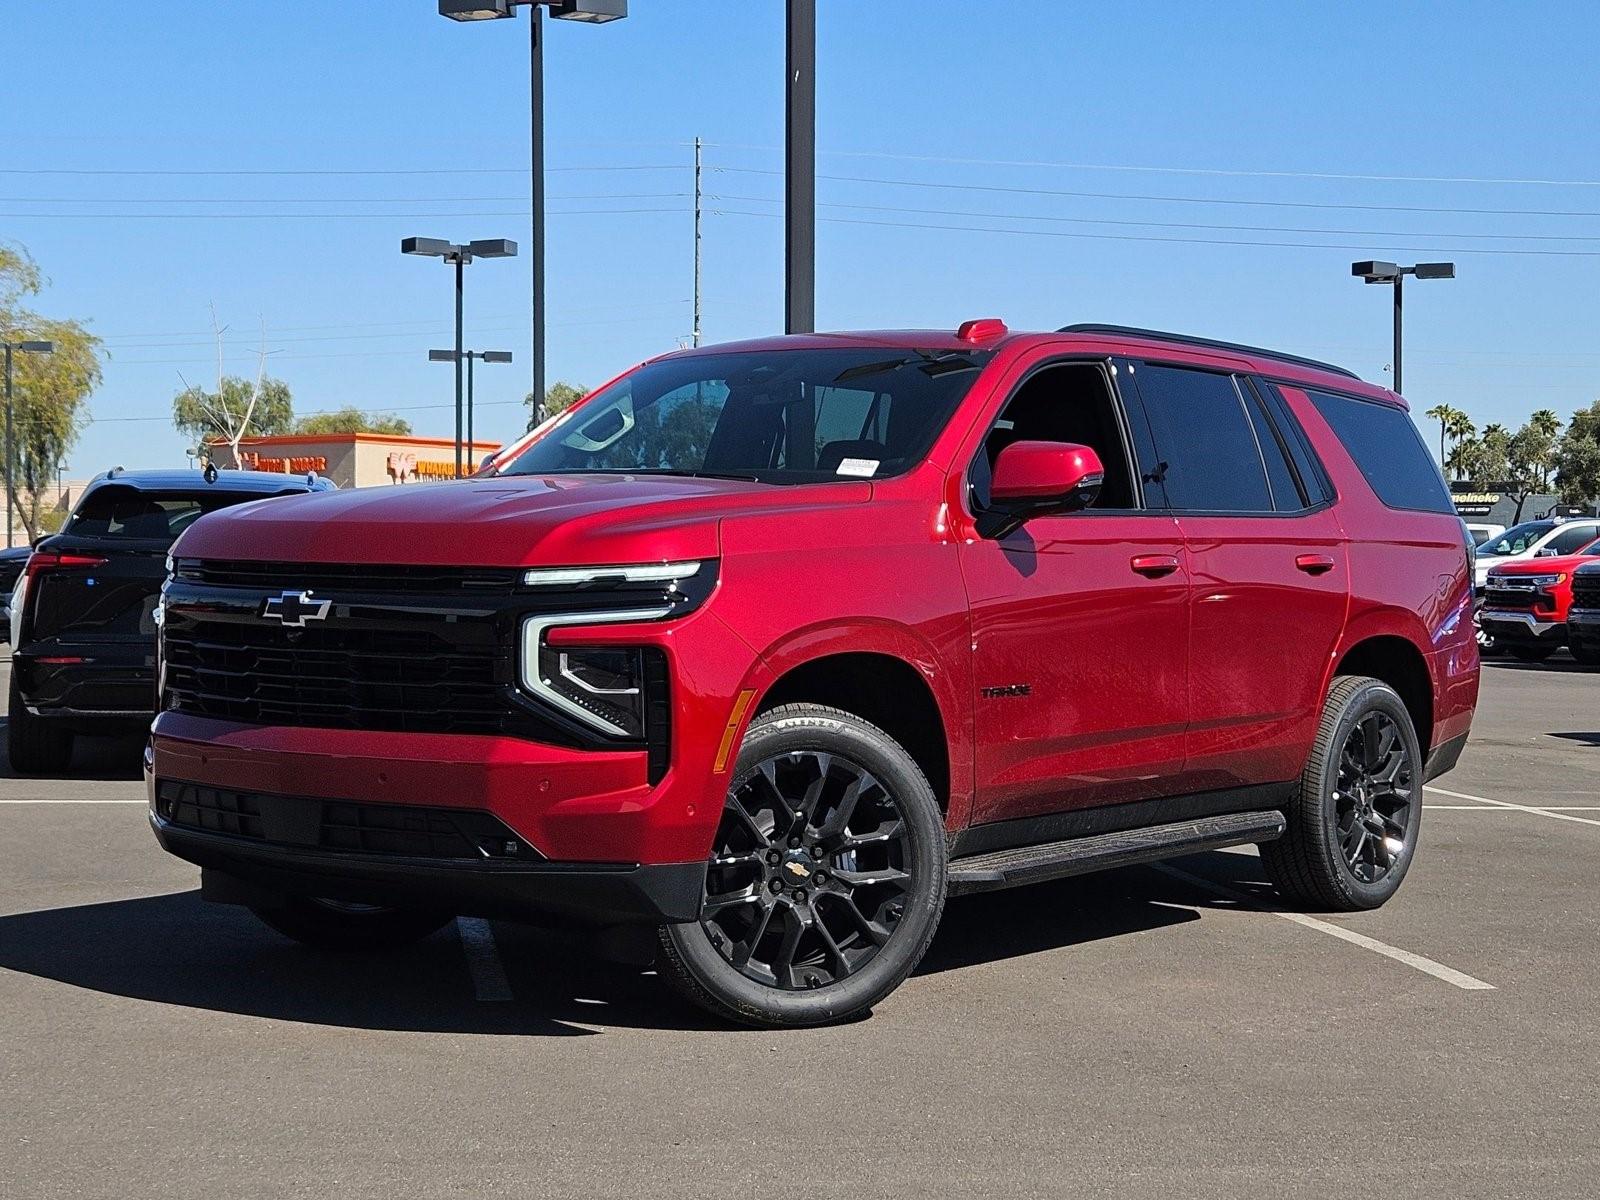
[1158, 335]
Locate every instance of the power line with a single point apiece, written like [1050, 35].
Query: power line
[994, 216]
[1167, 199]
[1130, 237]
[1346, 176]
[317, 413]
[325, 216]
[338, 199]
[206, 173]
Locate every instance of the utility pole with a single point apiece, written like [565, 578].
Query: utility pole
[697, 199]
[800, 169]
[536, 153]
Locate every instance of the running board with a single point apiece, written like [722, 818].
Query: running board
[1078, 856]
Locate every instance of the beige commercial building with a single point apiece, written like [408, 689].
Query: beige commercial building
[354, 459]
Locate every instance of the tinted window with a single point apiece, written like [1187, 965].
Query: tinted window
[1571, 539]
[127, 513]
[788, 416]
[1286, 493]
[1306, 464]
[1202, 433]
[1387, 447]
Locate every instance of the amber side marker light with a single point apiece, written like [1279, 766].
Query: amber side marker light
[725, 747]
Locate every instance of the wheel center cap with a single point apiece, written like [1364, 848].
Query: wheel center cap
[796, 868]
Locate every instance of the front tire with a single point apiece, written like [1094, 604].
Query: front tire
[36, 745]
[826, 879]
[1352, 826]
[335, 925]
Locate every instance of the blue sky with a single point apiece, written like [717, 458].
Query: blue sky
[1242, 107]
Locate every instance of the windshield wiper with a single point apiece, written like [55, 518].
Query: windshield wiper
[680, 472]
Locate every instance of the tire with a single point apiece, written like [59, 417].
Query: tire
[860, 874]
[1585, 655]
[1532, 653]
[1310, 864]
[333, 925]
[36, 745]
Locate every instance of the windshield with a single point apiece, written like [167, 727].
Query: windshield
[790, 416]
[1518, 538]
[126, 513]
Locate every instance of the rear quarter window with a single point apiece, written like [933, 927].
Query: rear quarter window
[1386, 446]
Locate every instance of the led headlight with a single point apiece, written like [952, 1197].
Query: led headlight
[1539, 581]
[602, 686]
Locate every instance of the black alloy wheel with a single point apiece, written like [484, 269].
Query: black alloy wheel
[809, 873]
[825, 879]
[1352, 823]
[1373, 797]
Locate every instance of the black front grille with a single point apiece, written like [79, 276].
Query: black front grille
[397, 830]
[1509, 598]
[1586, 589]
[341, 676]
[348, 577]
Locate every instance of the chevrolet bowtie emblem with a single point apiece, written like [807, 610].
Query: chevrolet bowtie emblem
[294, 609]
[798, 870]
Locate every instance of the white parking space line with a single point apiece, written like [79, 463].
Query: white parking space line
[1485, 808]
[146, 802]
[1426, 965]
[1553, 813]
[483, 959]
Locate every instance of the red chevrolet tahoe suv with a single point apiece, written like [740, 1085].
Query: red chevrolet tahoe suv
[762, 650]
[1525, 604]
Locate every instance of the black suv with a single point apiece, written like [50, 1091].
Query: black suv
[1583, 618]
[83, 610]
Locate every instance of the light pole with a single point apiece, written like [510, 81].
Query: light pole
[11, 443]
[1392, 273]
[592, 12]
[459, 256]
[800, 169]
[488, 356]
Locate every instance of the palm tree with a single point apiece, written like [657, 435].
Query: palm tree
[1441, 413]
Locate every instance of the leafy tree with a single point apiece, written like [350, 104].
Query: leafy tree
[1536, 445]
[237, 409]
[1577, 457]
[558, 397]
[50, 390]
[353, 420]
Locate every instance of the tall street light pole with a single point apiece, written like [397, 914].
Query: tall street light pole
[11, 443]
[1394, 274]
[459, 255]
[800, 169]
[592, 12]
[471, 356]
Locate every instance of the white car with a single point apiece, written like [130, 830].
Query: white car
[1534, 539]
[1483, 533]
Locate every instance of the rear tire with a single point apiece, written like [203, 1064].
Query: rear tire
[1352, 826]
[826, 879]
[334, 925]
[36, 745]
[1532, 653]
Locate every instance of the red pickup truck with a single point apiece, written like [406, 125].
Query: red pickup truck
[1525, 605]
[759, 652]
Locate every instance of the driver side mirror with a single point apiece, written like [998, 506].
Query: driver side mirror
[1035, 479]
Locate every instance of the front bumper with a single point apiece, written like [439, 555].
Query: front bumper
[601, 894]
[1523, 627]
[1583, 626]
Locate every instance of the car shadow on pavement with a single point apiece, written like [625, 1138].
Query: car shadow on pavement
[178, 949]
[92, 758]
[1586, 739]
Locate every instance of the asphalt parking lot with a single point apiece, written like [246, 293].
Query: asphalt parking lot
[1151, 1032]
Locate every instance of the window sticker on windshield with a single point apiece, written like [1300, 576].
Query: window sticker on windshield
[863, 467]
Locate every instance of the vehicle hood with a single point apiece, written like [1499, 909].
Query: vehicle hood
[1541, 566]
[501, 521]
